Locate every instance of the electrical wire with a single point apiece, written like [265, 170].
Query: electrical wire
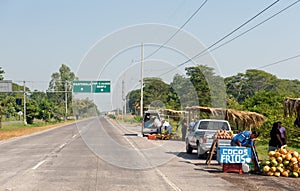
[255, 26]
[185, 23]
[221, 39]
[278, 62]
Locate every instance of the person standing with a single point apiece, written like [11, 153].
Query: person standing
[282, 133]
[183, 129]
[275, 135]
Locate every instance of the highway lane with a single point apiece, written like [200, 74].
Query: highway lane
[96, 155]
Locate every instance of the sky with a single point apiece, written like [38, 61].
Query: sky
[101, 40]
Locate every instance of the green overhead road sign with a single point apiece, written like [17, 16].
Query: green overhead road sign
[91, 86]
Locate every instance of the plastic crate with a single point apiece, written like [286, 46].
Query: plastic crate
[151, 137]
[232, 167]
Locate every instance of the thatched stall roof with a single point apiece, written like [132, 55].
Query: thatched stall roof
[291, 107]
[239, 117]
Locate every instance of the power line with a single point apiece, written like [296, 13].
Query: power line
[280, 61]
[221, 39]
[186, 22]
[269, 18]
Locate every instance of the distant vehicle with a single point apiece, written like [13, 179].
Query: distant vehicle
[201, 135]
[151, 122]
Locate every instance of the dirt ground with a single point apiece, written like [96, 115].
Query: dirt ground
[258, 182]
[25, 131]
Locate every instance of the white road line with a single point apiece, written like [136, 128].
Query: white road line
[166, 179]
[74, 136]
[62, 146]
[38, 164]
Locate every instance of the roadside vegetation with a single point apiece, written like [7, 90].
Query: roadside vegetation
[255, 91]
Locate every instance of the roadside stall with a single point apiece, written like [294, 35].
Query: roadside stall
[292, 107]
[232, 159]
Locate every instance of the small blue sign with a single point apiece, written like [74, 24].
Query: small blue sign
[234, 154]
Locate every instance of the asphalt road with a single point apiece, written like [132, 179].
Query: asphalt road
[99, 154]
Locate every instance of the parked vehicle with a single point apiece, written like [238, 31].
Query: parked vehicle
[201, 135]
[151, 122]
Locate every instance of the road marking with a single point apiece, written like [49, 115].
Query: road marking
[62, 146]
[168, 181]
[38, 164]
[74, 136]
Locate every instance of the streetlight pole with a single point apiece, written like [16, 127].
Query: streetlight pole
[142, 76]
[24, 94]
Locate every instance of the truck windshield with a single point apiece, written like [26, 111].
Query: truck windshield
[213, 125]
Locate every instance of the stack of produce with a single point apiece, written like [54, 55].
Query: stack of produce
[223, 134]
[163, 136]
[282, 162]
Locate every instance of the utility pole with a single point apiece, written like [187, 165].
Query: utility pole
[24, 94]
[142, 76]
[123, 93]
[66, 100]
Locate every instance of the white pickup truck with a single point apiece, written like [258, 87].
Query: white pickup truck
[201, 135]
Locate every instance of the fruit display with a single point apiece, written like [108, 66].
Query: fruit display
[223, 134]
[163, 136]
[282, 162]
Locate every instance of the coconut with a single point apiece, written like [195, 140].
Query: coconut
[277, 154]
[274, 162]
[277, 174]
[295, 174]
[288, 156]
[272, 153]
[283, 151]
[279, 159]
[279, 169]
[273, 169]
[266, 169]
[270, 173]
[294, 160]
[286, 162]
[285, 173]
[295, 154]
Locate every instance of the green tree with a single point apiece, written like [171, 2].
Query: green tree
[245, 85]
[133, 98]
[7, 107]
[1, 73]
[44, 106]
[84, 108]
[31, 110]
[210, 87]
[61, 82]
[185, 91]
[155, 90]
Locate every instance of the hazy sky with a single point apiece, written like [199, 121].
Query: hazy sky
[37, 37]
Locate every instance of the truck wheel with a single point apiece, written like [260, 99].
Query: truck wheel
[188, 148]
[199, 152]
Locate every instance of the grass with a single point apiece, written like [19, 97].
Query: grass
[18, 129]
[262, 150]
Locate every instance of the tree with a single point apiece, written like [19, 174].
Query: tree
[1, 73]
[59, 87]
[7, 106]
[155, 90]
[185, 91]
[245, 85]
[210, 87]
[44, 106]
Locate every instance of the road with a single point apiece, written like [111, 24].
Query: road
[100, 154]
